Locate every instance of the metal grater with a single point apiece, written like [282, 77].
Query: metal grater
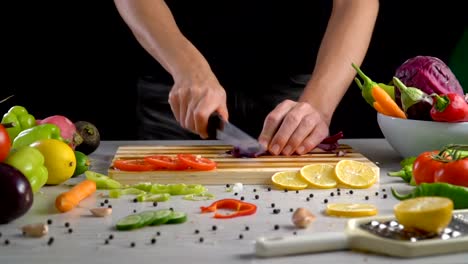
[393, 230]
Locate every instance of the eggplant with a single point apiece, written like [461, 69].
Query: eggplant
[15, 192]
[414, 102]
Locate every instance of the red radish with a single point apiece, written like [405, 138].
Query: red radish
[67, 129]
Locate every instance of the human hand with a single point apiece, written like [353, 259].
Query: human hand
[194, 98]
[293, 127]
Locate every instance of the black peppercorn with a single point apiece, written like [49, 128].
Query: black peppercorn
[106, 201]
[256, 197]
[325, 200]
[227, 185]
[214, 228]
[311, 195]
[254, 190]
[70, 230]
[109, 206]
[51, 240]
[376, 193]
[383, 190]
[351, 192]
[102, 204]
[7, 242]
[49, 221]
[273, 205]
[295, 233]
[242, 198]
[241, 236]
[332, 194]
[276, 211]
[276, 227]
[106, 241]
[172, 209]
[67, 224]
[135, 200]
[197, 231]
[385, 196]
[338, 193]
[111, 237]
[235, 194]
[291, 210]
[367, 197]
[158, 233]
[153, 240]
[297, 191]
[269, 189]
[155, 204]
[285, 190]
[132, 244]
[247, 228]
[307, 199]
[201, 239]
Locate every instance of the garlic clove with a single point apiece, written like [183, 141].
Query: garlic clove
[302, 218]
[101, 212]
[35, 230]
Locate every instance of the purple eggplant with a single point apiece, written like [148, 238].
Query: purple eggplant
[15, 193]
[414, 102]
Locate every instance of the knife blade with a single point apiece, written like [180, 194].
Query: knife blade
[230, 134]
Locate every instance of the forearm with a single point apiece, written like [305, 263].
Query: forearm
[346, 40]
[154, 27]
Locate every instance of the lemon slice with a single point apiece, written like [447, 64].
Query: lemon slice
[319, 175]
[290, 180]
[355, 174]
[351, 209]
[430, 214]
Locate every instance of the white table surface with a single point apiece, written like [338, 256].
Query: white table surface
[179, 243]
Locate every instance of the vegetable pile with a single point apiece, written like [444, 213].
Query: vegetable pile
[38, 152]
[423, 88]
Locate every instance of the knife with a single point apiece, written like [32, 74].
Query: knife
[230, 134]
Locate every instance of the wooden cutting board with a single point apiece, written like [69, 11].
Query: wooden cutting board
[229, 169]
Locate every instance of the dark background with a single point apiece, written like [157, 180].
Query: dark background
[79, 59]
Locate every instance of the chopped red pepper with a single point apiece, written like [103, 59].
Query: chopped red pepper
[240, 208]
[450, 107]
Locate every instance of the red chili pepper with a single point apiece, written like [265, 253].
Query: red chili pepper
[450, 107]
[240, 208]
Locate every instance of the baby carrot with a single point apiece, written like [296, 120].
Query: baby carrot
[68, 200]
[387, 104]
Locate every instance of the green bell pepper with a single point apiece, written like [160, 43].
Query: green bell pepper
[19, 117]
[36, 133]
[30, 162]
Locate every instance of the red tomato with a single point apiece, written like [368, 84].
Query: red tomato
[166, 162]
[197, 163]
[5, 143]
[133, 165]
[425, 166]
[453, 172]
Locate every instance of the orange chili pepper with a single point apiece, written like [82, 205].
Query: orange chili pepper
[240, 208]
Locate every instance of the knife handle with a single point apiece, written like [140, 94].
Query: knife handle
[215, 122]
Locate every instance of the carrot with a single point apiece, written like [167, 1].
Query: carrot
[68, 200]
[387, 104]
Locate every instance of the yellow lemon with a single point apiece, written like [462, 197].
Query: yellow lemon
[319, 175]
[290, 180]
[355, 174]
[59, 159]
[430, 214]
[351, 209]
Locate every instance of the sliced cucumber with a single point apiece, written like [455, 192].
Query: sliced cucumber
[102, 181]
[129, 222]
[177, 218]
[161, 216]
[147, 217]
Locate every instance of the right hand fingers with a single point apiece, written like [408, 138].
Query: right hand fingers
[205, 107]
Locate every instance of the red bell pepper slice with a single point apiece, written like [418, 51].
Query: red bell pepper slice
[240, 208]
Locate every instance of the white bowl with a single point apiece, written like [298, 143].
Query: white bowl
[412, 137]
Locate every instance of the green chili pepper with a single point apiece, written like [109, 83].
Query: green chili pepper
[30, 162]
[20, 119]
[458, 194]
[36, 133]
[366, 86]
[406, 172]
[160, 197]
